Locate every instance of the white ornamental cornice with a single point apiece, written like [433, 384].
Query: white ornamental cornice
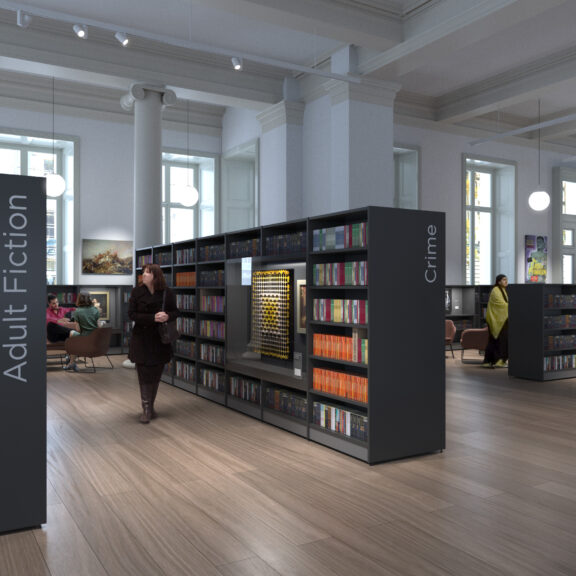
[368, 91]
[285, 112]
[139, 92]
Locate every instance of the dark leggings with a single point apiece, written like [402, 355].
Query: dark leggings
[497, 348]
[149, 374]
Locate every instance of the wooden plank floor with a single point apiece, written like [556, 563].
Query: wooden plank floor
[206, 491]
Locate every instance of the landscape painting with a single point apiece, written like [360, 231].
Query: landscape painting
[107, 257]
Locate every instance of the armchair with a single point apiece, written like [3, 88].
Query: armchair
[91, 346]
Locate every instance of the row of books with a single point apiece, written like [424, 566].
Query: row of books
[341, 273]
[163, 258]
[287, 402]
[340, 237]
[561, 300]
[212, 252]
[212, 277]
[185, 347]
[340, 310]
[340, 384]
[210, 303]
[244, 248]
[184, 370]
[212, 379]
[212, 353]
[186, 325]
[561, 341]
[186, 302]
[555, 363]
[187, 278]
[212, 329]
[285, 244]
[185, 256]
[245, 389]
[68, 297]
[346, 422]
[348, 348]
[143, 259]
[560, 322]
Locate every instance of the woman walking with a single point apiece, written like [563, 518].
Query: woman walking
[151, 303]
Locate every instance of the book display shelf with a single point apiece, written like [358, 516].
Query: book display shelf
[542, 337]
[304, 325]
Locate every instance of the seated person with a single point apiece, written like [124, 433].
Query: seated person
[86, 316]
[58, 326]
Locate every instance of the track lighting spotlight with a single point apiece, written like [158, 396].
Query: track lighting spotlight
[122, 38]
[237, 63]
[23, 19]
[81, 31]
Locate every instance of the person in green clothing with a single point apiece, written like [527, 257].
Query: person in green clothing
[86, 315]
[496, 354]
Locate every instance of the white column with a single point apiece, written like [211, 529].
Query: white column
[147, 102]
[362, 117]
[281, 162]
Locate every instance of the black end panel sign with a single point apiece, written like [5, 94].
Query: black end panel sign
[22, 352]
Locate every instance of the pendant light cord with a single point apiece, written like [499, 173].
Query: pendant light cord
[53, 125]
[539, 134]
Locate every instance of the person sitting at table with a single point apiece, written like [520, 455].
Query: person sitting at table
[58, 325]
[86, 316]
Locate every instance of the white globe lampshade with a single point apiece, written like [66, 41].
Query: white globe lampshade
[55, 185]
[539, 200]
[189, 196]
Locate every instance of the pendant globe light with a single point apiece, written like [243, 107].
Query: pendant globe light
[189, 196]
[55, 184]
[539, 200]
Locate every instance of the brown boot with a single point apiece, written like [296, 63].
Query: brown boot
[145, 395]
[154, 387]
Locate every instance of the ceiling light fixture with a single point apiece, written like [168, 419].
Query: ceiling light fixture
[539, 200]
[55, 183]
[81, 31]
[237, 63]
[122, 38]
[23, 19]
[189, 194]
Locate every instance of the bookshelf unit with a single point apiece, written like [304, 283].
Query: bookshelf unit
[369, 396]
[356, 298]
[210, 317]
[184, 286]
[542, 332]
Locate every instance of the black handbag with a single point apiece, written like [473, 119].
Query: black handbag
[168, 330]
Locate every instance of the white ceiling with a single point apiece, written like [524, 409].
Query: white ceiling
[477, 65]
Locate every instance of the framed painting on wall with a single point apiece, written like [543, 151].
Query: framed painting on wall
[301, 306]
[103, 298]
[107, 257]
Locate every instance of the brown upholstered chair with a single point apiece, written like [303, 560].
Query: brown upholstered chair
[56, 351]
[91, 346]
[474, 339]
[450, 333]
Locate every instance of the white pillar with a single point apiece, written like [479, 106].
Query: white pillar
[281, 162]
[147, 102]
[362, 143]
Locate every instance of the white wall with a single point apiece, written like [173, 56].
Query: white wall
[104, 187]
[239, 127]
[441, 188]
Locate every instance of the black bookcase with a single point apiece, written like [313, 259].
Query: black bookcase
[386, 397]
[542, 333]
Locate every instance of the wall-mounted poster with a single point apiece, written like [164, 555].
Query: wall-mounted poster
[107, 257]
[536, 250]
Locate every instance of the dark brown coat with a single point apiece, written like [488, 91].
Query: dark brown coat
[145, 345]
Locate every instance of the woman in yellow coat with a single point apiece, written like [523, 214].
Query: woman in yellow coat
[497, 318]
